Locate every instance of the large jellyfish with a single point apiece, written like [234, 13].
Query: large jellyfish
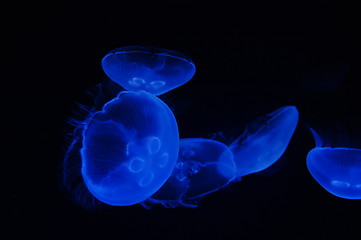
[336, 169]
[203, 166]
[129, 148]
[151, 69]
[265, 141]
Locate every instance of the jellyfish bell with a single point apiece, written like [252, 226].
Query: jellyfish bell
[129, 148]
[257, 150]
[154, 70]
[203, 166]
[338, 170]
[71, 181]
[335, 162]
[202, 159]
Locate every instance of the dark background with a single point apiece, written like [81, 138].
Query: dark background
[251, 59]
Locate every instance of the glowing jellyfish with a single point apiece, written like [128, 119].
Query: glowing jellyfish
[129, 148]
[151, 69]
[203, 166]
[338, 170]
[258, 149]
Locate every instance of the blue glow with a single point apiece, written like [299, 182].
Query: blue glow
[338, 170]
[259, 148]
[203, 166]
[129, 149]
[154, 70]
[129, 152]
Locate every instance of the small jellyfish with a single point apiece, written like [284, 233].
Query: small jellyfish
[154, 70]
[203, 166]
[336, 169]
[260, 147]
[129, 148]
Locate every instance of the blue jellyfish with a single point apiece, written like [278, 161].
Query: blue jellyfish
[336, 169]
[129, 148]
[154, 70]
[203, 166]
[264, 142]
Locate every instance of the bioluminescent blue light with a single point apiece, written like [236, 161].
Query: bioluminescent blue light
[258, 149]
[203, 166]
[154, 70]
[129, 148]
[338, 170]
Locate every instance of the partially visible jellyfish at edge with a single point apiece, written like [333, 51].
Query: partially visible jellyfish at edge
[154, 70]
[264, 141]
[336, 169]
[203, 166]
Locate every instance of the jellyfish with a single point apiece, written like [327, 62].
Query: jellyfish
[154, 70]
[203, 166]
[129, 148]
[336, 169]
[265, 141]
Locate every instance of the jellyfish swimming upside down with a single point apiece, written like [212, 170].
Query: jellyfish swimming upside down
[154, 70]
[129, 148]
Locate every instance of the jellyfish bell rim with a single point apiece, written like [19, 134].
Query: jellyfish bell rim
[316, 149]
[339, 148]
[282, 110]
[157, 75]
[149, 50]
[273, 115]
[145, 50]
[332, 149]
[311, 163]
